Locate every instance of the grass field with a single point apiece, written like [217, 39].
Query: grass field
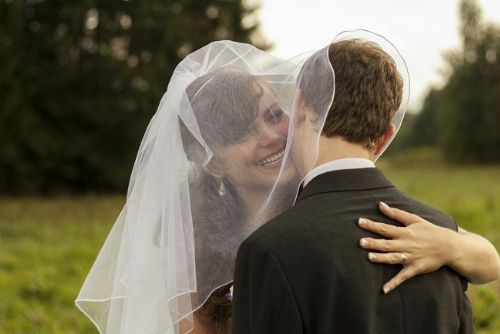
[46, 248]
[47, 245]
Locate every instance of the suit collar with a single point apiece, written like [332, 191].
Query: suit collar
[345, 180]
[338, 164]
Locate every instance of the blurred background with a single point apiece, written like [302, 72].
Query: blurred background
[79, 81]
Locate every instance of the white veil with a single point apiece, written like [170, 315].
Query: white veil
[226, 151]
[389, 48]
[210, 157]
[303, 143]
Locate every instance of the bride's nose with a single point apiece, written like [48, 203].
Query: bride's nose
[270, 136]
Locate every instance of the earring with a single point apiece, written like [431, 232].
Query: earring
[222, 189]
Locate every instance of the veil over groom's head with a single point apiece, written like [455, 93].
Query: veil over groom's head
[371, 89]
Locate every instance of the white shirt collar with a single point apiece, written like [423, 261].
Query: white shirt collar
[347, 163]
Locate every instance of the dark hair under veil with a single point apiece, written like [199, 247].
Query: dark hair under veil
[225, 103]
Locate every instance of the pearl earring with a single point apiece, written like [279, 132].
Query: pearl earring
[222, 189]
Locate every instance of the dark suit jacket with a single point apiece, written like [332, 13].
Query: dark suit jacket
[303, 272]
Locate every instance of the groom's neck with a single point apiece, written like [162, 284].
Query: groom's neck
[336, 148]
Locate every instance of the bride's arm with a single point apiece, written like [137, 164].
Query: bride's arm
[425, 247]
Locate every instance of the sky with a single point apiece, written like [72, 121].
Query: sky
[421, 30]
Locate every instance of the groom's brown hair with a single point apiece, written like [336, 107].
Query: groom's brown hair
[368, 92]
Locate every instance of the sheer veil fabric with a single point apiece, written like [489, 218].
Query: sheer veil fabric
[209, 159]
[401, 66]
[226, 150]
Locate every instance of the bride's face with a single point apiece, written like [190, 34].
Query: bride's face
[255, 161]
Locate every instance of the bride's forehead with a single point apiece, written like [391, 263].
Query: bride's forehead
[265, 94]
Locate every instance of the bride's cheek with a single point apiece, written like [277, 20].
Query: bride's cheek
[283, 127]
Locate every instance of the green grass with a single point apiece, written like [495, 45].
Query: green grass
[46, 249]
[48, 245]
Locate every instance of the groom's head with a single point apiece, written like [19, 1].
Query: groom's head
[368, 92]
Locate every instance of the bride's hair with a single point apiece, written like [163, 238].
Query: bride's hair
[225, 103]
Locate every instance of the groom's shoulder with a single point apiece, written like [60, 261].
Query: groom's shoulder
[287, 227]
[428, 211]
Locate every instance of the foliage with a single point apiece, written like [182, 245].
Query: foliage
[428, 134]
[462, 118]
[80, 81]
[471, 103]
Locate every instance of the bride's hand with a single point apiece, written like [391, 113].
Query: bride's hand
[419, 245]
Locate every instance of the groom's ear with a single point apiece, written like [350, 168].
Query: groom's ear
[300, 113]
[386, 137]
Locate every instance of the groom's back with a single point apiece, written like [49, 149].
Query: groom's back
[335, 288]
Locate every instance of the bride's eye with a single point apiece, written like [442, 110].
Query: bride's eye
[274, 114]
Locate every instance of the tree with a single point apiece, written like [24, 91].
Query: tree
[469, 110]
[422, 129]
[80, 81]
[463, 117]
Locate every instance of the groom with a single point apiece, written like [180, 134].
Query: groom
[303, 272]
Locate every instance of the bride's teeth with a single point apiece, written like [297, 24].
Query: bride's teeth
[272, 159]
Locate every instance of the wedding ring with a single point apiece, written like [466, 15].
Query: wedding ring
[403, 258]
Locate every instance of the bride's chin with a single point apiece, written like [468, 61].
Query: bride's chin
[287, 175]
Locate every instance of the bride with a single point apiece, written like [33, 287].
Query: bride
[246, 128]
[215, 163]
[205, 176]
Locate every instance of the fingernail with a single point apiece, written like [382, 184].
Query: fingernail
[387, 289]
[363, 242]
[384, 205]
[362, 221]
[372, 256]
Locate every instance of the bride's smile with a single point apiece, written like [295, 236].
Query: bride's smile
[272, 160]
